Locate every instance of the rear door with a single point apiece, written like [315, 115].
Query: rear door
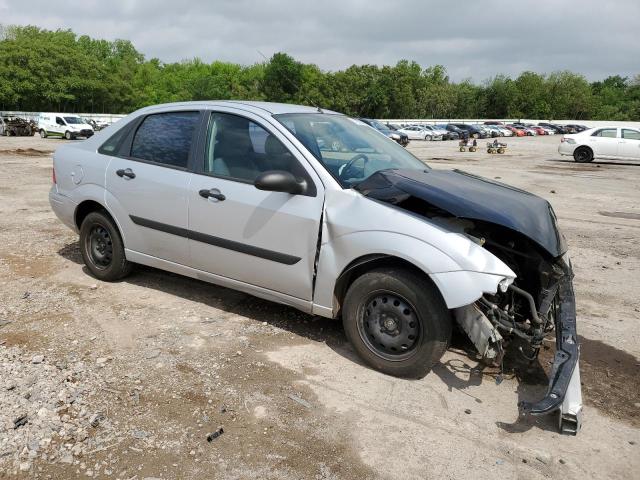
[629, 145]
[265, 239]
[604, 142]
[147, 184]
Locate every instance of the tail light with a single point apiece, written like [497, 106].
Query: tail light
[570, 141]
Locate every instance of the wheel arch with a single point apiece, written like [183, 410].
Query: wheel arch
[88, 206]
[367, 263]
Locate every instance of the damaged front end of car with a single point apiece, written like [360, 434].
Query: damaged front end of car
[521, 230]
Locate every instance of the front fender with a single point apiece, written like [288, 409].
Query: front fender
[355, 226]
[458, 285]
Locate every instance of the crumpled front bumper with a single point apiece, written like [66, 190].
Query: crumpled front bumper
[564, 393]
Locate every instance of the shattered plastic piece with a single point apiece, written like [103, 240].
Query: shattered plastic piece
[20, 421]
[212, 436]
[299, 400]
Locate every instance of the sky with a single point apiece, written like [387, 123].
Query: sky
[472, 39]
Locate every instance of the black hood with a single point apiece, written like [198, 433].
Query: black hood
[475, 198]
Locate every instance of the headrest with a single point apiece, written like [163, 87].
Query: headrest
[273, 146]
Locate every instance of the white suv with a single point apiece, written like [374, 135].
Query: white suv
[317, 210]
[622, 143]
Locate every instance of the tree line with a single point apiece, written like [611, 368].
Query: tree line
[43, 70]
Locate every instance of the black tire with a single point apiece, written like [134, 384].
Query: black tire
[67, 135]
[583, 155]
[43, 133]
[102, 248]
[409, 303]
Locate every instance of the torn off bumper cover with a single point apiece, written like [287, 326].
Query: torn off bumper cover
[564, 392]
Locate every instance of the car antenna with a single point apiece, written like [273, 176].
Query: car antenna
[296, 86]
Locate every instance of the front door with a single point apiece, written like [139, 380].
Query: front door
[266, 239]
[147, 186]
[629, 146]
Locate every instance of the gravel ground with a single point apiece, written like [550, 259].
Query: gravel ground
[130, 380]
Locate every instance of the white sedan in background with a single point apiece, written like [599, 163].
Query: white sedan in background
[418, 132]
[603, 142]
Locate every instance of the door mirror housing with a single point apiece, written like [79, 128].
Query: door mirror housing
[280, 181]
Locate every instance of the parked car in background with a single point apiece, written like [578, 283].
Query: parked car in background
[498, 131]
[12, 126]
[472, 130]
[548, 130]
[443, 133]
[96, 125]
[515, 131]
[558, 129]
[452, 133]
[401, 138]
[539, 130]
[452, 129]
[525, 131]
[63, 125]
[493, 122]
[505, 131]
[419, 132]
[609, 142]
[574, 128]
[240, 195]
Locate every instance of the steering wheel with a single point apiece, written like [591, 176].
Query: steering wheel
[345, 169]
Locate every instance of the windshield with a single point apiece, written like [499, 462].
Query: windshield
[348, 148]
[73, 120]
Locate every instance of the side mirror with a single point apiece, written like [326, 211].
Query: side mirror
[280, 181]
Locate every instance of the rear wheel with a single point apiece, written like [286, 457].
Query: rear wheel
[102, 248]
[583, 155]
[397, 321]
[428, 138]
[43, 134]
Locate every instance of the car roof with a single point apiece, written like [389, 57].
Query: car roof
[254, 106]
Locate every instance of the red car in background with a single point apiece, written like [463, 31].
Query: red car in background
[539, 130]
[516, 132]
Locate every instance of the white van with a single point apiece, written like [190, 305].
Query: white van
[63, 125]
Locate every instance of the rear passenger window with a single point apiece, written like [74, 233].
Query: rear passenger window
[165, 138]
[606, 132]
[630, 134]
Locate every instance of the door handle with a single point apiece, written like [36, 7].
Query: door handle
[212, 193]
[126, 173]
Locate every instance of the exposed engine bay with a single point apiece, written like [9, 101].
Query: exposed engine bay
[520, 229]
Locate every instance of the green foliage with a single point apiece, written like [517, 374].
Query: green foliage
[43, 70]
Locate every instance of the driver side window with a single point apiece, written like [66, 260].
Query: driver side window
[240, 149]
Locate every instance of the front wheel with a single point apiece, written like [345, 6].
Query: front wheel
[396, 321]
[67, 135]
[102, 248]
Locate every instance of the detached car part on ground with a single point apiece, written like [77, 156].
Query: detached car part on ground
[318, 211]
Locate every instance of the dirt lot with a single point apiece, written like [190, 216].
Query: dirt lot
[126, 380]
